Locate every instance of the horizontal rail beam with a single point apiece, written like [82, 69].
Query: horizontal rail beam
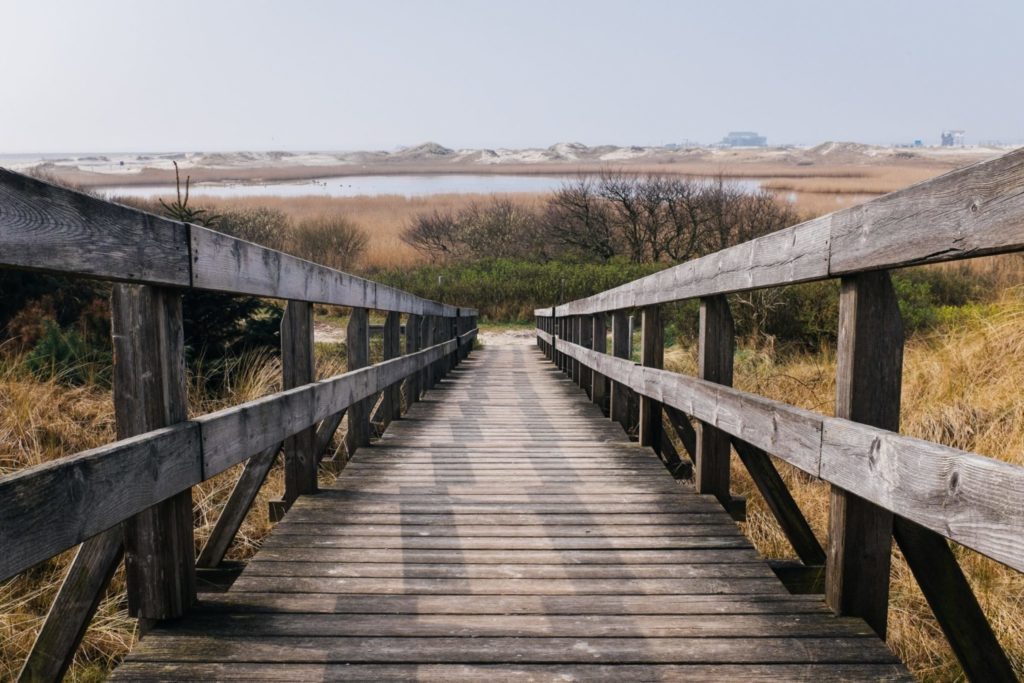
[965, 497]
[53, 229]
[49, 508]
[969, 212]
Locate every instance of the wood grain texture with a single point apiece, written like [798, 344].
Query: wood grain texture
[455, 540]
[150, 393]
[72, 610]
[45, 227]
[298, 369]
[358, 356]
[619, 401]
[237, 507]
[225, 264]
[51, 507]
[869, 364]
[652, 355]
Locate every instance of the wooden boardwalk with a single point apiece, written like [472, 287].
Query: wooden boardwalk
[506, 530]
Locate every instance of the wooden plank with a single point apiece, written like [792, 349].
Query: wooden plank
[226, 264]
[391, 401]
[795, 254]
[785, 431]
[967, 212]
[516, 626]
[454, 604]
[619, 409]
[652, 355]
[869, 363]
[597, 650]
[50, 228]
[715, 357]
[952, 601]
[298, 369]
[71, 611]
[358, 354]
[599, 383]
[454, 570]
[506, 673]
[46, 509]
[150, 393]
[412, 345]
[237, 507]
[779, 500]
[234, 434]
[719, 557]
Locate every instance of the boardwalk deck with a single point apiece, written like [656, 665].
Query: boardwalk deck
[506, 530]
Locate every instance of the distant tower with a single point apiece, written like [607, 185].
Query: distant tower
[952, 138]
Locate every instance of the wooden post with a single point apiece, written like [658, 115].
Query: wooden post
[412, 345]
[652, 355]
[298, 368]
[149, 393]
[586, 332]
[426, 340]
[599, 383]
[620, 349]
[716, 347]
[392, 344]
[574, 337]
[358, 357]
[869, 361]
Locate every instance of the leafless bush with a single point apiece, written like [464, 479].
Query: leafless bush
[501, 228]
[329, 240]
[261, 225]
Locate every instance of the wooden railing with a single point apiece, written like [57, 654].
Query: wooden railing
[884, 485]
[133, 497]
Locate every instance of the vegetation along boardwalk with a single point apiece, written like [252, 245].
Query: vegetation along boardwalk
[505, 528]
[508, 530]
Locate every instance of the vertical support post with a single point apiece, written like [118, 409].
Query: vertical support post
[426, 340]
[358, 357]
[412, 345]
[150, 393]
[599, 383]
[297, 365]
[869, 363]
[392, 347]
[553, 329]
[586, 333]
[652, 355]
[715, 357]
[574, 335]
[620, 349]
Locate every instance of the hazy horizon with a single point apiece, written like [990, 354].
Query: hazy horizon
[134, 77]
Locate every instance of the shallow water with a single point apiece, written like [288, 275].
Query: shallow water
[353, 186]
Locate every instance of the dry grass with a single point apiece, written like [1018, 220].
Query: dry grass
[953, 394]
[44, 420]
[384, 217]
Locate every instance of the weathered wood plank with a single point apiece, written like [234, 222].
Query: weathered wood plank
[298, 369]
[73, 608]
[150, 393]
[54, 506]
[869, 364]
[226, 264]
[507, 673]
[50, 228]
[652, 355]
[237, 507]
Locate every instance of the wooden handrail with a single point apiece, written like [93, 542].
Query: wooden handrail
[960, 495]
[54, 506]
[53, 229]
[969, 212]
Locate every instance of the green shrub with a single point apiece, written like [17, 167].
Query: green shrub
[66, 355]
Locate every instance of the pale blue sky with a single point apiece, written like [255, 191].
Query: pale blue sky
[143, 75]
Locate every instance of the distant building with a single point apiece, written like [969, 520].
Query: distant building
[744, 138]
[952, 138]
